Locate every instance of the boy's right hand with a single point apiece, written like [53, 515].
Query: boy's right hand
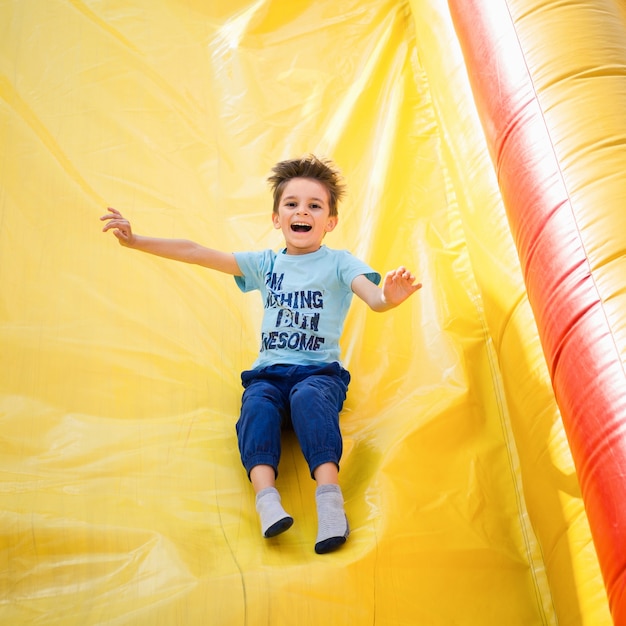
[120, 226]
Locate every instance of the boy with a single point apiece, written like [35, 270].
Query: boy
[297, 378]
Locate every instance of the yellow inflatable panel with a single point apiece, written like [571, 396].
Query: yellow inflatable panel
[122, 494]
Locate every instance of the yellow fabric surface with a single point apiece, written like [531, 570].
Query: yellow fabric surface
[122, 495]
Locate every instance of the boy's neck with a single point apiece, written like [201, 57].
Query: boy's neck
[297, 253]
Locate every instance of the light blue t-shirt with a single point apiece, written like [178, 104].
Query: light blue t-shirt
[306, 299]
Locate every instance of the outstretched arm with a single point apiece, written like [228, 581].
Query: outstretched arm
[397, 286]
[176, 249]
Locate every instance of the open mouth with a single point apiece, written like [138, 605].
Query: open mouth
[300, 227]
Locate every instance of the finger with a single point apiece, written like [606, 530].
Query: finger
[401, 275]
[110, 224]
[116, 224]
[112, 214]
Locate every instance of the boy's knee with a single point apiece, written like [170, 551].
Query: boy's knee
[318, 390]
[261, 392]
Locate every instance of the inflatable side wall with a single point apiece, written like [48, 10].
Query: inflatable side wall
[555, 129]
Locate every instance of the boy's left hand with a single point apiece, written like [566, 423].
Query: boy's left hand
[398, 285]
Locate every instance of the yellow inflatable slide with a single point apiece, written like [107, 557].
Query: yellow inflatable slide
[482, 143]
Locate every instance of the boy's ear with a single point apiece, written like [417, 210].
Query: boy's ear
[332, 222]
[275, 220]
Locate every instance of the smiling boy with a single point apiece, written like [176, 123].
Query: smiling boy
[297, 379]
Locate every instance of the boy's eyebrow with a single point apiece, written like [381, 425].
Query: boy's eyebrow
[297, 198]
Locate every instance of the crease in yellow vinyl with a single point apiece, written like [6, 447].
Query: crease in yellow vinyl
[122, 495]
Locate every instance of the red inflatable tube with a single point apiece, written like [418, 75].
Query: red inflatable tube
[584, 362]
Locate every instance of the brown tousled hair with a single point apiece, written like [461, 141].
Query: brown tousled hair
[322, 170]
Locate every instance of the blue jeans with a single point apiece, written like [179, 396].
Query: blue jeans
[307, 398]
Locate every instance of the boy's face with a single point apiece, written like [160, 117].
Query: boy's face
[304, 215]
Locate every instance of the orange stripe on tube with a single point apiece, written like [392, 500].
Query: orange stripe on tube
[579, 345]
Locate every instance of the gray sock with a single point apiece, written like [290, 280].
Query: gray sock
[332, 523]
[274, 520]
